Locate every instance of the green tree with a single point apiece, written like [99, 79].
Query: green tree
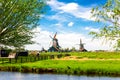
[110, 15]
[17, 19]
[73, 49]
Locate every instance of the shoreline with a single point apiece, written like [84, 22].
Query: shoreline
[53, 71]
[74, 63]
[63, 69]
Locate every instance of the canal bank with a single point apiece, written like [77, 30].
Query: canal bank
[73, 67]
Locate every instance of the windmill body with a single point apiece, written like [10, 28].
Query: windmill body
[55, 45]
[81, 46]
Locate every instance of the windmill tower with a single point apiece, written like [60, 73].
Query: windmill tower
[55, 45]
[81, 46]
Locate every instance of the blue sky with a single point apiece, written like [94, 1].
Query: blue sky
[71, 19]
[70, 16]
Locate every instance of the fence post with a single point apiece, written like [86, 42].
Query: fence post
[15, 60]
[21, 59]
[51, 56]
[9, 60]
[38, 58]
[26, 59]
[2, 60]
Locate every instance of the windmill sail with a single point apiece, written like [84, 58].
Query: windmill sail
[81, 46]
[55, 35]
[55, 46]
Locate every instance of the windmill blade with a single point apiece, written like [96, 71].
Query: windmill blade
[50, 43]
[80, 41]
[56, 48]
[50, 36]
[55, 35]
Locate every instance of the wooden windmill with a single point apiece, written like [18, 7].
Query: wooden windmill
[55, 45]
[81, 46]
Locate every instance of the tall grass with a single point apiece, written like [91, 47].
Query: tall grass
[108, 67]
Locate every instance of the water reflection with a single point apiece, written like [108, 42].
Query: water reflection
[29, 76]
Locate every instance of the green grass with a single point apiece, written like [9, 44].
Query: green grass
[100, 55]
[98, 67]
[81, 65]
[107, 67]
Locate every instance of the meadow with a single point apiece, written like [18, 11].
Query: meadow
[97, 63]
[99, 55]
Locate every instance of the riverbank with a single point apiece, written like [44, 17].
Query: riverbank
[88, 67]
[75, 64]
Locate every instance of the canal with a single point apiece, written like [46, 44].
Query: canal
[31, 76]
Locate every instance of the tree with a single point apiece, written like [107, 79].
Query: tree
[17, 19]
[110, 15]
[73, 49]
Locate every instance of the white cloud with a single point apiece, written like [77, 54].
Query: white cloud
[71, 8]
[57, 17]
[92, 29]
[70, 24]
[58, 25]
[66, 40]
[77, 10]
[54, 4]
[41, 38]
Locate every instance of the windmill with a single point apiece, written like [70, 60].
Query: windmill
[81, 46]
[55, 46]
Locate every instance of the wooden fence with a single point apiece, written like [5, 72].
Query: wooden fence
[21, 59]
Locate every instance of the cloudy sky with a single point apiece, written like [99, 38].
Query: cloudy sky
[71, 19]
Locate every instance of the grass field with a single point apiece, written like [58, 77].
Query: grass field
[93, 65]
[99, 55]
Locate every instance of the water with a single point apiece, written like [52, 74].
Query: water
[30, 76]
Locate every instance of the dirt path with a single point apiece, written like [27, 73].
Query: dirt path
[82, 59]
